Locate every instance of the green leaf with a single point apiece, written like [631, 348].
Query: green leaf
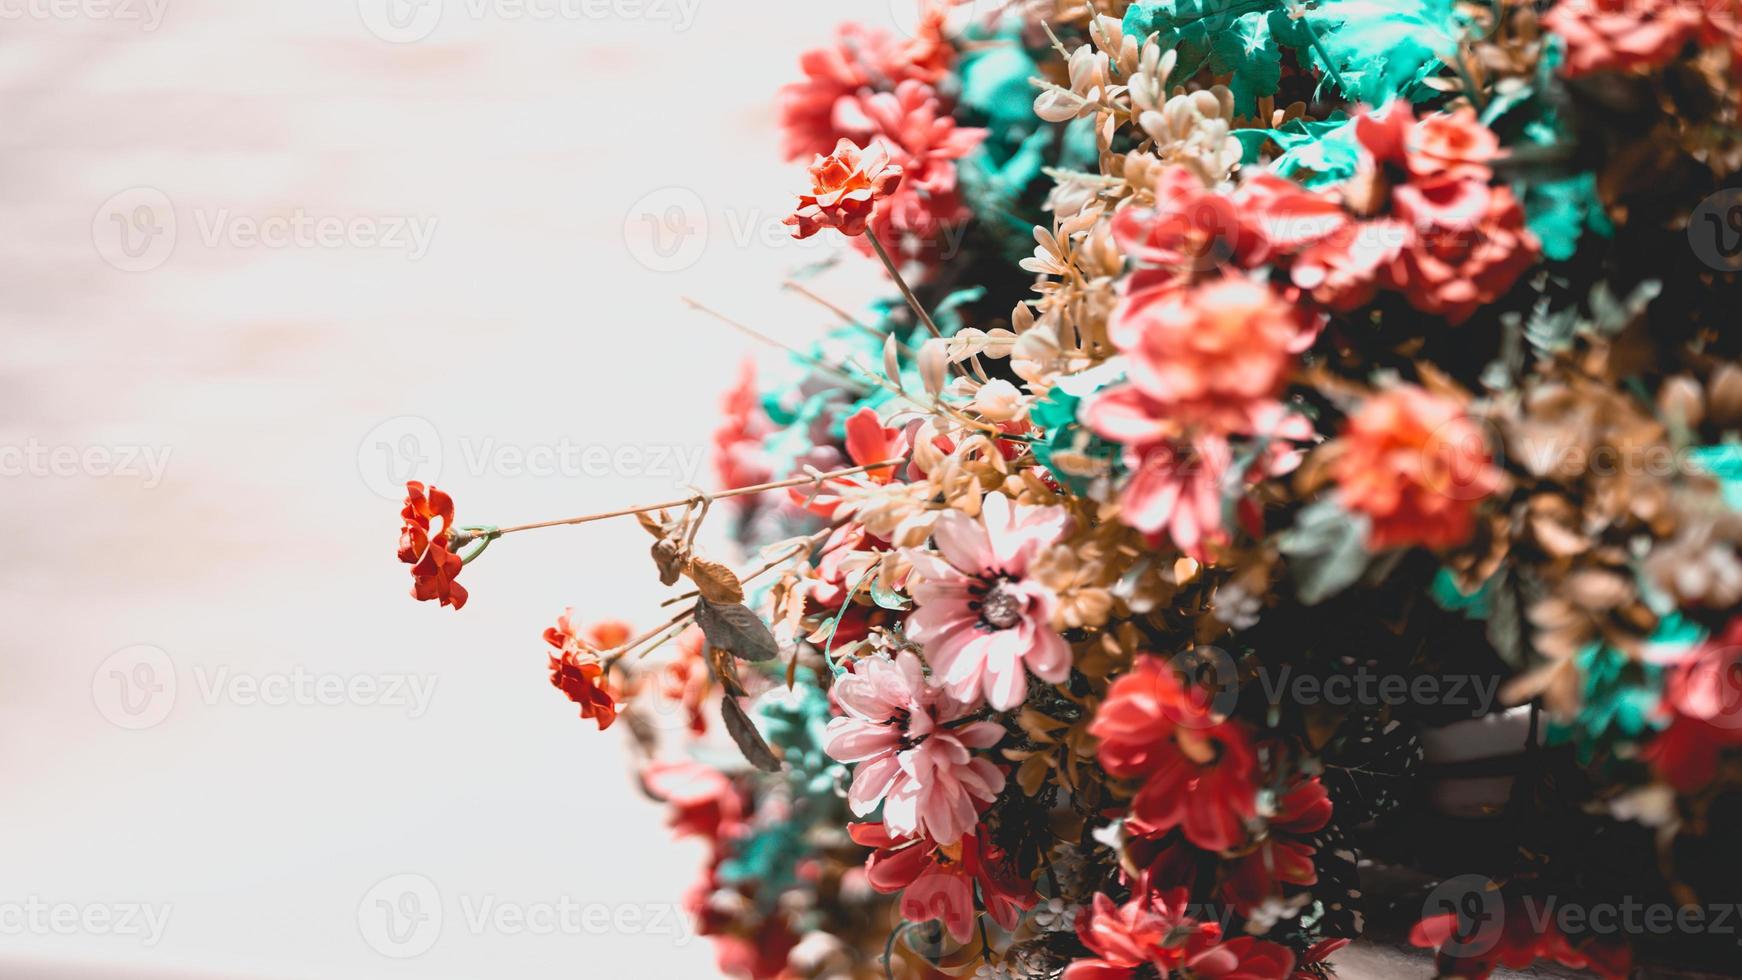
[1233, 37]
[1326, 549]
[1560, 212]
[1376, 50]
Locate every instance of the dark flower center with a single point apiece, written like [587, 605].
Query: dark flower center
[1003, 606]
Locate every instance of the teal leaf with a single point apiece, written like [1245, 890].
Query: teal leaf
[1376, 50]
[1560, 212]
[1326, 549]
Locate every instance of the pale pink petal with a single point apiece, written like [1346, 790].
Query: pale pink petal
[963, 541]
[871, 782]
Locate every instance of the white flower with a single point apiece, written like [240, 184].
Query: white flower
[1056, 916]
[998, 400]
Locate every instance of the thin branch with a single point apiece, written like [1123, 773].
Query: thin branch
[906, 292]
[693, 500]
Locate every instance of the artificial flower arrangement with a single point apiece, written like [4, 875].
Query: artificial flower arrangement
[1236, 341]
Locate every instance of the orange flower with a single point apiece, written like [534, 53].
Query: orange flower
[576, 669]
[1416, 465]
[1452, 145]
[845, 188]
[433, 566]
[1211, 355]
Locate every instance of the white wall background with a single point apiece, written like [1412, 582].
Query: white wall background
[538, 318]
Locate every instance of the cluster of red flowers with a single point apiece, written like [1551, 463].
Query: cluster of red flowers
[939, 883]
[873, 92]
[1154, 934]
[425, 539]
[1199, 770]
[1515, 937]
[576, 668]
[1637, 35]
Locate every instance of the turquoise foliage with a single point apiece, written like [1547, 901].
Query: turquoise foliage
[1370, 50]
[1621, 694]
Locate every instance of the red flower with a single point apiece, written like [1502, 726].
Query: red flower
[1343, 269]
[846, 187]
[1458, 244]
[1508, 938]
[1625, 35]
[1153, 930]
[1198, 770]
[576, 669]
[868, 441]
[704, 803]
[1470, 245]
[687, 680]
[426, 549]
[816, 113]
[1284, 857]
[1417, 466]
[1314, 963]
[1211, 356]
[738, 458]
[925, 142]
[939, 882]
[1704, 702]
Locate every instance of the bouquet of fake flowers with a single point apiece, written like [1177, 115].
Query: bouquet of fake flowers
[1301, 447]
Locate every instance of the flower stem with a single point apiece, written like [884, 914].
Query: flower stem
[906, 292]
[695, 499]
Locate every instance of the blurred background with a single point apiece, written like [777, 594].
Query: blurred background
[264, 261]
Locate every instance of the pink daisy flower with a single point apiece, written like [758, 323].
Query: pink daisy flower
[895, 729]
[980, 620]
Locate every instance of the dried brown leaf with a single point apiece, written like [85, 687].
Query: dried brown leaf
[717, 583]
